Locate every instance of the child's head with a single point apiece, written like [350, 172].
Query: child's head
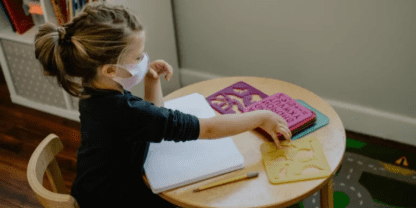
[97, 36]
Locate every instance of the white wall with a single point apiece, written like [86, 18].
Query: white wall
[358, 55]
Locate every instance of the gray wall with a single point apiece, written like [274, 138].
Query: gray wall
[358, 55]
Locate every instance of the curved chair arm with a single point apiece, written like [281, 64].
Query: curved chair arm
[43, 160]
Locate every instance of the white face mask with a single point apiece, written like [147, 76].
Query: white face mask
[138, 71]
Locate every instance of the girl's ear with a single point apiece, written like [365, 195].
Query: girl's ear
[108, 70]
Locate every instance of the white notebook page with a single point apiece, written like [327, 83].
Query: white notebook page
[173, 164]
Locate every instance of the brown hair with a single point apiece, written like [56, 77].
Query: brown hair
[98, 35]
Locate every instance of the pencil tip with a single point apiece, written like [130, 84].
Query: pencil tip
[196, 190]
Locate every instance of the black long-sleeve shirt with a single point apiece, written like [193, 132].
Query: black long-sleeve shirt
[116, 130]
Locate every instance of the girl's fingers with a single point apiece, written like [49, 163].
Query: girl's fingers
[164, 67]
[284, 122]
[274, 136]
[289, 133]
[161, 67]
[168, 73]
[275, 139]
[152, 71]
[285, 132]
[286, 135]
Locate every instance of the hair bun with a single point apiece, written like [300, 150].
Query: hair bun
[63, 39]
[62, 32]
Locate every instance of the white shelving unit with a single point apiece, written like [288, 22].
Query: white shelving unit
[27, 37]
[6, 31]
[13, 72]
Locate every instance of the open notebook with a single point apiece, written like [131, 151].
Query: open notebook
[173, 164]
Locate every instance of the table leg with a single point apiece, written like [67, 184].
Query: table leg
[327, 195]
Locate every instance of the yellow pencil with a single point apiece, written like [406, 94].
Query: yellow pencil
[237, 178]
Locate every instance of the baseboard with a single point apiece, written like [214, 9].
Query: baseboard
[73, 115]
[376, 123]
[356, 118]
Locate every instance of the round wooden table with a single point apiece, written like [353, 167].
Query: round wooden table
[259, 192]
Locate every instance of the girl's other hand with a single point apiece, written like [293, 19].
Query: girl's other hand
[273, 124]
[158, 68]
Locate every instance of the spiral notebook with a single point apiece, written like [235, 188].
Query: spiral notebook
[173, 164]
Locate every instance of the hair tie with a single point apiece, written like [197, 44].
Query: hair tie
[63, 39]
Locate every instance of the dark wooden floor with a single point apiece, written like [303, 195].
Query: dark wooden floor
[22, 129]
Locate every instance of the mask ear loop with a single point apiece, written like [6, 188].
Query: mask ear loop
[119, 73]
[127, 67]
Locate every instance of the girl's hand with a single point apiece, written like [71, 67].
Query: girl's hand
[273, 124]
[158, 68]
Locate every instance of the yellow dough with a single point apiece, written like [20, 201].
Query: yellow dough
[298, 160]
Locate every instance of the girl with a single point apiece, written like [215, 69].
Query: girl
[103, 47]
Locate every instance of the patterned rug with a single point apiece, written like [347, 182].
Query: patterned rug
[372, 176]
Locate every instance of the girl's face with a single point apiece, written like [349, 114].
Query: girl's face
[133, 54]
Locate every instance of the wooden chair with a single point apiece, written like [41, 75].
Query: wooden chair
[43, 160]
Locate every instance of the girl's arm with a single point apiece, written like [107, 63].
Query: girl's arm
[228, 124]
[153, 91]
[231, 124]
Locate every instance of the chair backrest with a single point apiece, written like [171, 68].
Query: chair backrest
[43, 160]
